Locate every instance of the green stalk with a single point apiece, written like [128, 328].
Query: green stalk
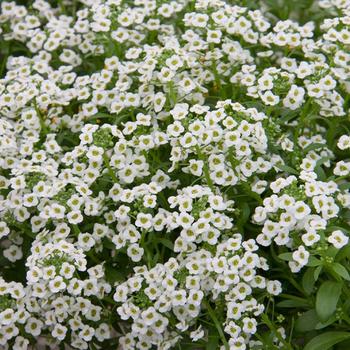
[43, 126]
[205, 168]
[216, 323]
[275, 332]
[110, 170]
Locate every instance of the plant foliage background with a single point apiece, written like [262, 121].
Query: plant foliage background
[175, 174]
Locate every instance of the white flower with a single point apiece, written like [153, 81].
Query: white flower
[338, 239]
[59, 332]
[301, 256]
[274, 287]
[144, 221]
[197, 334]
[67, 270]
[86, 241]
[135, 252]
[33, 326]
[294, 98]
[188, 140]
[13, 253]
[344, 142]
[269, 98]
[174, 62]
[265, 83]
[87, 333]
[310, 238]
[4, 230]
[327, 83]
[300, 210]
[187, 85]
[7, 317]
[95, 153]
[159, 101]
[57, 284]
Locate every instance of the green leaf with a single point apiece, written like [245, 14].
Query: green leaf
[245, 211]
[213, 342]
[321, 325]
[287, 169]
[308, 281]
[343, 253]
[314, 146]
[341, 271]
[345, 213]
[344, 186]
[321, 175]
[293, 303]
[323, 160]
[287, 116]
[100, 115]
[113, 274]
[286, 256]
[313, 262]
[307, 321]
[334, 228]
[317, 272]
[326, 340]
[332, 251]
[246, 189]
[327, 298]
[166, 242]
[107, 243]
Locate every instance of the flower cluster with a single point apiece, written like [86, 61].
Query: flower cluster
[57, 298]
[161, 161]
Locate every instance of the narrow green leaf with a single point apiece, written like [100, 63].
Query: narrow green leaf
[321, 175]
[245, 211]
[286, 256]
[308, 281]
[327, 298]
[341, 271]
[317, 272]
[293, 304]
[166, 242]
[313, 262]
[323, 160]
[334, 228]
[314, 146]
[287, 169]
[326, 340]
[287, 116]
[343, 253]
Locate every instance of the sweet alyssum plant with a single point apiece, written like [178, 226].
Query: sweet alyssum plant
[175, 174]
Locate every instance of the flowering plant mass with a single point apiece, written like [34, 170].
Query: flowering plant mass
[175, 174]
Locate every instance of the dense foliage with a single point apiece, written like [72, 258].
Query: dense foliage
[175, 174]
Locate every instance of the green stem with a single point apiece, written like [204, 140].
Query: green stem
[205, 168]
[291, 331]
[217, 324]
[275, 332]
[147, 255]
[43, 126]
[4, 59]
[110, 170]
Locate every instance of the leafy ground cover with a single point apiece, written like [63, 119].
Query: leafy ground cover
[175, 174]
